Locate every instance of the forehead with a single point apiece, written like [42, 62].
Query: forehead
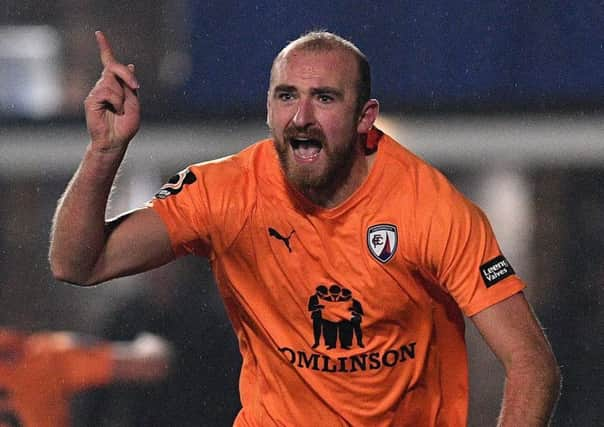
[323, 67]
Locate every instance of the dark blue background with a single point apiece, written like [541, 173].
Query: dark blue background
[426, 55]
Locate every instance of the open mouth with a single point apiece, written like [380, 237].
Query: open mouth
[306, 149]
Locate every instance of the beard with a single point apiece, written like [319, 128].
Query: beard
[311, 178]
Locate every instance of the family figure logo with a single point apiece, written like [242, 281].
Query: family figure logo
[336, 318]
[335, 315]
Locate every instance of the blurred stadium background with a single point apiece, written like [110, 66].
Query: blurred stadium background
[505, 97]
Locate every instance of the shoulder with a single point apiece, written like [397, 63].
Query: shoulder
[213, 198]
[212, 177]
[424, 183]
[427, 202]
[228, 170]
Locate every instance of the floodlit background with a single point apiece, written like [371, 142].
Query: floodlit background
[505, 98]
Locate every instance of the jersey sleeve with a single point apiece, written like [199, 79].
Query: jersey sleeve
[459, 248]
[182, 205]
[205, 206]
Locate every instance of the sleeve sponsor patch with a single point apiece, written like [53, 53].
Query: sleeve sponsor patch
[175, 184]
[495, 270]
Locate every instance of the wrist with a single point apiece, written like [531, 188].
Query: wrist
[103, 147]
[102, 161]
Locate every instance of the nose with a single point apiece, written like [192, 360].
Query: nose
[304, 116]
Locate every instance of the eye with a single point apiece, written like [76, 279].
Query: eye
[325, 98]
[285, 96]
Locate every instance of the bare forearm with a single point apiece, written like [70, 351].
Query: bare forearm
[531, 393]
[532, 386]
[78, 233]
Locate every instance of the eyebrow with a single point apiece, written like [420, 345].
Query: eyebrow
[337, 93]
[285, 88]
[314, 91]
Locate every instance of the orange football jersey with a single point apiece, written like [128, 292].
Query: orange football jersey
[350, 316]
[38, 381]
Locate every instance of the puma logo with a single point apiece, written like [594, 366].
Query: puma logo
[274, 233]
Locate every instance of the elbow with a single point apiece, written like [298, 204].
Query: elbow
[64, 273]
[555, 374]
[543, 368]
[551, 370]
[552, 382]
[63, 276]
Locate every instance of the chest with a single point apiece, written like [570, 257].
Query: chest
[345, 264]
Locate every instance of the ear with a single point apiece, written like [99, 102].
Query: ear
[268, 108]
[368, 115]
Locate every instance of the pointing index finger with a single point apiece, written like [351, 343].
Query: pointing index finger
[122, 72]
[104, 48]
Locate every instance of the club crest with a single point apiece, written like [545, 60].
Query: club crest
[382, 240]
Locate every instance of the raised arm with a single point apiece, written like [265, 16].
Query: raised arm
[84, 248]
[532, 374]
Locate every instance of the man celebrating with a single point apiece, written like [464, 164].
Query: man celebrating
[367, 214]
